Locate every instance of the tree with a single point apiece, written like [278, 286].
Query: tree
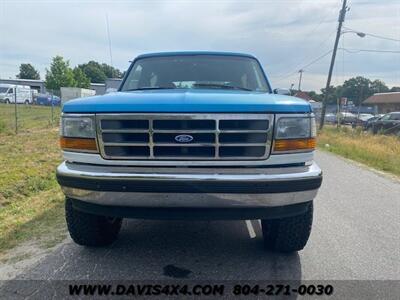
[315, 96]
[378, 86]
[27, 71]
[98, 73]
[395, 89]
[81, 80]
[93, 70]
[110, 71]
[357, 89]
[333, 95]
[59, 75]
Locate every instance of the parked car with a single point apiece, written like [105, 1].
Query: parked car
[362, 119]
[48, 100]
[347, 118]
[11, 92]
[331, 118]
[343, 117]
[368, 124]
[388, 124]
[190, 135]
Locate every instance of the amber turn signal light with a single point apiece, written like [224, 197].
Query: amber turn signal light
[294, 144]
[78, 144]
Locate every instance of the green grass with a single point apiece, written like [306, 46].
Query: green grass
[381, 152]
[29, 117]
[31, 203]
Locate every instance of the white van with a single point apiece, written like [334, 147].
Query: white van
[23, 92]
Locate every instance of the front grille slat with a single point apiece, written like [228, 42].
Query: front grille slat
[185, 136]
[243, 125]
[126, 137]
[184, 124]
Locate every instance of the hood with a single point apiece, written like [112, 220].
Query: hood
[188, 101]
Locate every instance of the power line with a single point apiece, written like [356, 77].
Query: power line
[317, 59]
[374, 35]
[318, 46]
[304, 60]
[369, 50]
[280, 78]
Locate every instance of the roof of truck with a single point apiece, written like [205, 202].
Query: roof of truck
[180, 53]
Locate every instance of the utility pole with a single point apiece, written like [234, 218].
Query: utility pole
[15, 109]
[360, 100]
[342, 16]
[291, 89]
[301, 76]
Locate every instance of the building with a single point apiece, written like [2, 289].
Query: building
[37, 85]
[113, 83]
[68, 93]
[102, 88]
[303, 95]
[316, 106]
[384, 102]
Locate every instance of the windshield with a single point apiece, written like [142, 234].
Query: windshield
[395, 116]
[3, 90]
[196, 72]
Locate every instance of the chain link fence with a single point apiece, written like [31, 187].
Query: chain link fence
[40, 111]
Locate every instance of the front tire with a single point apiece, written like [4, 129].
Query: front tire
[90, 230]
[288, 234]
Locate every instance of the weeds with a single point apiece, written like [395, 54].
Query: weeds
[31, 203]
[381, 152]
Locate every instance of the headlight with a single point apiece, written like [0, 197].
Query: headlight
[295, 134]
[78, 133]
[82, 127]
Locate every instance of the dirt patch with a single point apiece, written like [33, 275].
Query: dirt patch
[25, 256]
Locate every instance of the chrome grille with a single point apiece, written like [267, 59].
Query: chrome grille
[214, 136]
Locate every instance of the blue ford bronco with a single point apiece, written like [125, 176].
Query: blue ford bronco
[190, 135]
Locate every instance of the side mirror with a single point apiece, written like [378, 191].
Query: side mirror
[279, 91]
[111, 90]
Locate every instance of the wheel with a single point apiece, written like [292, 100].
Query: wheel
[8, 101]
[90, 230]
[288, 234]
[26, 102]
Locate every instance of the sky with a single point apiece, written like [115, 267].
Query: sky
[284, 35]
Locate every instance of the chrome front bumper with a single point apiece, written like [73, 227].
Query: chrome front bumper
[189, 187]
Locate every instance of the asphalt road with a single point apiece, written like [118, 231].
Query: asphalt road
[355, 236]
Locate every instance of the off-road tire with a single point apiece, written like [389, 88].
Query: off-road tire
[288, 234]
[90, 230]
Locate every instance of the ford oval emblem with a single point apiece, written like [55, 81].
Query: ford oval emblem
[183, 138]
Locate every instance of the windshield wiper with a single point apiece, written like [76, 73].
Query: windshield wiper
[151, 88]
[221, 86]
